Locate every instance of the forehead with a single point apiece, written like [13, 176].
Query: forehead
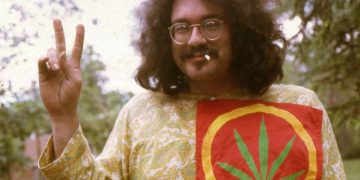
[194, 10]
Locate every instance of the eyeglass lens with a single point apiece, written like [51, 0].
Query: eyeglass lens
[211, 29]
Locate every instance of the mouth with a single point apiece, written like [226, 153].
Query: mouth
[197, 58]
[201, 55]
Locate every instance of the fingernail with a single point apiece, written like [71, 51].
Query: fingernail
[48, 66]
[57, 21]
[56, 67]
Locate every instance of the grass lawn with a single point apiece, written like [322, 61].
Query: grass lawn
[352, 169]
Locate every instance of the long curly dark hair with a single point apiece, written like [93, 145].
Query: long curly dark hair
[258, 46]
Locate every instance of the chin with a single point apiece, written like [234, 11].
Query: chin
[201, 77]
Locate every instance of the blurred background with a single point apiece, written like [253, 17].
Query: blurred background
[323, 54]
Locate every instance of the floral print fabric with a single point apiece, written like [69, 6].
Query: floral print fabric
[154, 138]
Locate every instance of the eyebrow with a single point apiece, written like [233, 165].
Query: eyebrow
[185, 20]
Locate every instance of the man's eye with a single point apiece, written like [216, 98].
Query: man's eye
[181, 28]
[211, 24]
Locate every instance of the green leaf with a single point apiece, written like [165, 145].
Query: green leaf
[246, 154]
[280, 159]
[263, 149]
[236, 172]
[293, 176]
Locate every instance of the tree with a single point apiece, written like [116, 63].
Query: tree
[97, 109]
[22, 112]
[19, 119]
[14, 37]
[26, 114]
[326, 53]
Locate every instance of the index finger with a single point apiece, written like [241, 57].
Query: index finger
[59, 36]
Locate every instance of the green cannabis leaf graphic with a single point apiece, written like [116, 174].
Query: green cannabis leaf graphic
[261, 174]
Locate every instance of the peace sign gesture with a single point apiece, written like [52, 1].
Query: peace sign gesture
[60, 80]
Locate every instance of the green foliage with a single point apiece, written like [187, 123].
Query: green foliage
[22, 112]
[352, 169]
[19, 119]
[25, 114]
[97, 109]
[326, 53]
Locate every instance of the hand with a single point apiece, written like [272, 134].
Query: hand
[60, 78]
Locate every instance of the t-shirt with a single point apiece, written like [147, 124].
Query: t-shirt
[154, 137]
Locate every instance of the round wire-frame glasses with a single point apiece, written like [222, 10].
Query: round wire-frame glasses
[211, 29]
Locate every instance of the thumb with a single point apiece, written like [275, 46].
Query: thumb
[43, 71]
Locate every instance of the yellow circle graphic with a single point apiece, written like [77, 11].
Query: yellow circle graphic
[239, 112]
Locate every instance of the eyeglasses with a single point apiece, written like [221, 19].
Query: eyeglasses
[211, 29]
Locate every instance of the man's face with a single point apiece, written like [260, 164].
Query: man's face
[189, 56]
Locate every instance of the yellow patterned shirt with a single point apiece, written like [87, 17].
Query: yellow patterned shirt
[154, 138]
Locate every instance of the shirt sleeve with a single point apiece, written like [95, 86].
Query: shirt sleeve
[77, 161]
[332, 163]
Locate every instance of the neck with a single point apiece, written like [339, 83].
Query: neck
[212, 88]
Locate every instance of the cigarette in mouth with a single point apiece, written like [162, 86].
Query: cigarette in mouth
[207, 57]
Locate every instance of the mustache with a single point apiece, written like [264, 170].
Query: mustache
[214, 53]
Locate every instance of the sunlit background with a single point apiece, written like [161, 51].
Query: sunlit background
[109, 29]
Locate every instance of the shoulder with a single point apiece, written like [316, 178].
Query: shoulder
[288, 93]
[137, 107]
[148, 98]
[289, 89]
[146, 102]
[142, 99]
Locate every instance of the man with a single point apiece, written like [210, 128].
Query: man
[212, 112]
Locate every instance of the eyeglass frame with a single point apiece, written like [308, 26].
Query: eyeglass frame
[201, 31]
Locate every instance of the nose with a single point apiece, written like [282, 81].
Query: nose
[196, 38]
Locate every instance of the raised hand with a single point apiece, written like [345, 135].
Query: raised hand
[59, 78]
[60, 85]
